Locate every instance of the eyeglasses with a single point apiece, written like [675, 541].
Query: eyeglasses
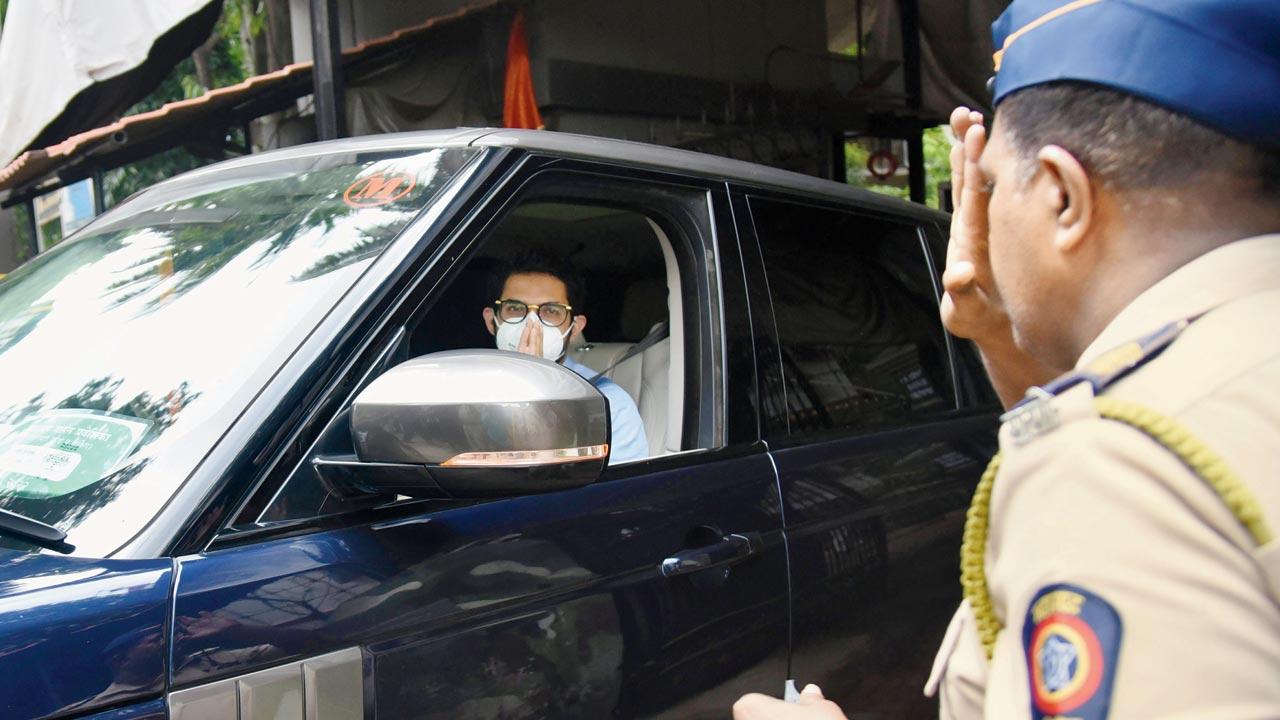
[514, 311]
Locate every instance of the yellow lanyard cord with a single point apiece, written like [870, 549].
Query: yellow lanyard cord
[1196, 455]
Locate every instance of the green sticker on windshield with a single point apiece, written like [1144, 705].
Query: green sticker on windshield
[60, 451]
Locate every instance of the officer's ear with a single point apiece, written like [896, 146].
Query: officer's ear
[1068, 189]
[579, 324]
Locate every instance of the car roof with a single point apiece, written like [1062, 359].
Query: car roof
[593, 148]
[695, 163]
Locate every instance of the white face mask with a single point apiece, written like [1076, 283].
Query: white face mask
[508, 337]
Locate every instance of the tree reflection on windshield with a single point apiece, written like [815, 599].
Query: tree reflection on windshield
[367, 247]
[202, 235]
[15, 414]
[99, 394]
[128, 350]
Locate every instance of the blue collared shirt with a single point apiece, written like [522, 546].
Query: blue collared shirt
[627, 441]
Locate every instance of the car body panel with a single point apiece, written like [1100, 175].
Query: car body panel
[79, 634]
[873, 528]
[552, 602]
[151, 710]
[695, 164]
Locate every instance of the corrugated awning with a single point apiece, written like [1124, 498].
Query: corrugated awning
[135, 136]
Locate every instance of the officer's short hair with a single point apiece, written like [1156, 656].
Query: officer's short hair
[533, 262]
[1126, 142]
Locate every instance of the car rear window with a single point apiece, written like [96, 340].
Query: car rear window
[861, 341]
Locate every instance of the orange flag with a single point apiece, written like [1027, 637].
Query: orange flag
[519, 107]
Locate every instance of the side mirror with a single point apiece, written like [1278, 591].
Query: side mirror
[474, 423]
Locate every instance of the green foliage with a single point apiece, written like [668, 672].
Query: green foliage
[937, 166]
[22, 223]
[937, 162]
[191, 86]
[226, 67]
[52, 232]
[233, 11]
[210, 230]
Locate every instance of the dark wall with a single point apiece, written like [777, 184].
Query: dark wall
[9, 240]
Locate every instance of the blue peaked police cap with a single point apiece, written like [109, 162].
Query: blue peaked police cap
[1216, 61]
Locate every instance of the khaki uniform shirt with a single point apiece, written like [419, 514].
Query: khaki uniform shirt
[1100, 506]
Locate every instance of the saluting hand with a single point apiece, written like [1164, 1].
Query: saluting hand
[810, 706]
[971, 306]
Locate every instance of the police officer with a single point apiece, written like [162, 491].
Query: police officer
[1122, 223]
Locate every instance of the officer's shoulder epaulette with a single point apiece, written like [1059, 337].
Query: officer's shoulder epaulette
[1035, 415]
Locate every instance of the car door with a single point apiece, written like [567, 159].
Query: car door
[312, 605]
[876, 459]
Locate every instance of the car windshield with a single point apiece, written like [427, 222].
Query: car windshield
[128, 350]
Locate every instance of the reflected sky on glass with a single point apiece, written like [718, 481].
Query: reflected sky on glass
[175, 309]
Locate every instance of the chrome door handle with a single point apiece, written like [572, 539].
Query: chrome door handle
[733, 548]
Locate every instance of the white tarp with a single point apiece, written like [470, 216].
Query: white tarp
[50, 50]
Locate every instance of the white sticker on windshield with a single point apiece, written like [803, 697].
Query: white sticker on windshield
[56, 452]
[40, 462]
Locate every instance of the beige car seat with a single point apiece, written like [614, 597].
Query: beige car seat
[597, 356]
[654, 377]
[645, 376]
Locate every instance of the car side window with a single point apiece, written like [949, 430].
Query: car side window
[630, 297]
[860, 339]
[643, 257]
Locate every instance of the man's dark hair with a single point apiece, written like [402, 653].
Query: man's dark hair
[1128, 143]
[541, 264]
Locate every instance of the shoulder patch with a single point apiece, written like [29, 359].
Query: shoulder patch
[1071, 638]
[1031, 418]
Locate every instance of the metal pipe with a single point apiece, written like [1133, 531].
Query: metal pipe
[326, 50]
[34, 246]
[915, 165]
[912, 81]
[909, 10]
[857, 9]
[838, 170]
[99, 193]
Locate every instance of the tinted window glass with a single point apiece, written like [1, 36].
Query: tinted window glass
[975, 386]
[129, 349]
[861, 341]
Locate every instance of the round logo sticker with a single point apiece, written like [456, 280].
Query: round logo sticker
[377, 189]
[1066, 663]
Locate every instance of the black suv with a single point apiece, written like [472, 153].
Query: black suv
[259, 457]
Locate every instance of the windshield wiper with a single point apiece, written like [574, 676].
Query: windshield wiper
[33, 531]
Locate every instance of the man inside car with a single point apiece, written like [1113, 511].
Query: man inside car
[536, 312]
